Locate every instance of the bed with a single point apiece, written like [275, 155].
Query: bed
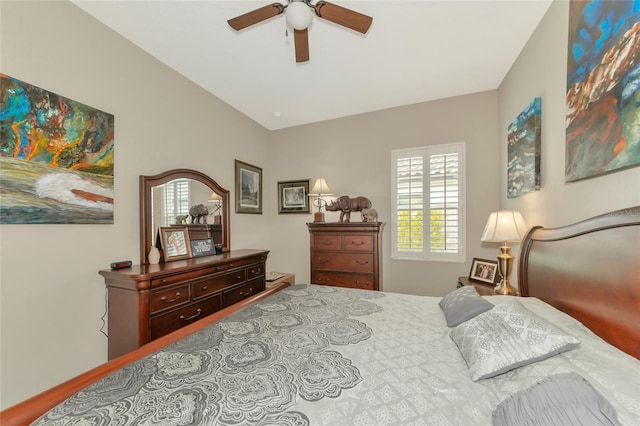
[322, 355]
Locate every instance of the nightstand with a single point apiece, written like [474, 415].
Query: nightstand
[282, 278]
[482, 288]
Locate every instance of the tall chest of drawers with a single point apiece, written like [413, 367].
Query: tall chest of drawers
[146, 302]
[346, 254]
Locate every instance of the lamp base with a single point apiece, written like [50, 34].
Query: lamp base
[318, 217]
[504, 287]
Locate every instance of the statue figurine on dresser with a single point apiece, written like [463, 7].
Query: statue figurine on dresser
[345, 205]
[369, 215]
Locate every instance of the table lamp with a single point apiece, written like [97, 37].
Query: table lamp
[216, 199]
[319, 189]
[502, 227]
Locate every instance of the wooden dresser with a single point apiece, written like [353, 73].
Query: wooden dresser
[148, 301]
[346, 254]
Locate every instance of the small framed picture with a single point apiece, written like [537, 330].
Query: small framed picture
[202, 247]
[175, 243]
[248, 188]
[293, 196]
[484, 270]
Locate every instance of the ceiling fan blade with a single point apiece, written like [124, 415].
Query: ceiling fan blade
[301, 39]
[251, 18]
[343, 16]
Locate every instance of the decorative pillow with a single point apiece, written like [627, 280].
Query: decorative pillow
[561, 399]
[507, 337]
[463, 304]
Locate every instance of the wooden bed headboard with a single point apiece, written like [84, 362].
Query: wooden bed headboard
[591, 271]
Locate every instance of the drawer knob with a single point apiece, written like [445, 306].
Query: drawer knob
[239, 277]
[198, 312]
[248, 293]
[164, 298]
[204, 287]
[359, 262]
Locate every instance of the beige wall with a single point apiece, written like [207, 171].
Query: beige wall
[354, 155]
[541, 71]
[52, 298]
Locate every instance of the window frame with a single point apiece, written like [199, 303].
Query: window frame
[426, 152]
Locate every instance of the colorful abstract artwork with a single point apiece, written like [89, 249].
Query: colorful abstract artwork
[603, 78]
[523, 152]
[56, 158]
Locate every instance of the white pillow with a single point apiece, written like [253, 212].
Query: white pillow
[507, 337]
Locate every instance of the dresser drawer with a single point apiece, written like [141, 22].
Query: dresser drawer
[239, 293]
[327, 242]
[171, 321]
[343, 280]
[216, 283]
[179, 278]
[168, 298]
[255, 271]
[358, 242]
[348, 262]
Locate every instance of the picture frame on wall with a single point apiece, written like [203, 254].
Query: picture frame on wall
[175, 243]
[248, 188]
[484, 270]
[293, 196]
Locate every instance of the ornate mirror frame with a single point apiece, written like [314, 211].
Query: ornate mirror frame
[147, 183]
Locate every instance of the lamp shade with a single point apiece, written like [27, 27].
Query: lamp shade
[505, 225]
[299, 15]
[320, 188]
[214, 197]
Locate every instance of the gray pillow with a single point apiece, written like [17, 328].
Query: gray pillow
[507, 337]
[562, 399]
[463, 304]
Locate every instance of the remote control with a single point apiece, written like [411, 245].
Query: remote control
[122, 264]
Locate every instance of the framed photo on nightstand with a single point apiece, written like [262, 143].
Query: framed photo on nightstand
[483, 270]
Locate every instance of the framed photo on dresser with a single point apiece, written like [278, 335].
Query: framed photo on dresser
[175, 243]
[484, 270]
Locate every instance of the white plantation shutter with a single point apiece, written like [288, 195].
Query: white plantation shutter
[427, 212]
[177, 200]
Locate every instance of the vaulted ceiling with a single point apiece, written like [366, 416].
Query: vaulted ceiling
[415, 51]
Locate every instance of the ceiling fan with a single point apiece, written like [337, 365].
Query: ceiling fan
[299, 14]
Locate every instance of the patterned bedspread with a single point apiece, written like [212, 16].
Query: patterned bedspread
[317, 355]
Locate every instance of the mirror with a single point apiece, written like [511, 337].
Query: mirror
[199, 189]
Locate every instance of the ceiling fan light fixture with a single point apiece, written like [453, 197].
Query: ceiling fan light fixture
[299, 15]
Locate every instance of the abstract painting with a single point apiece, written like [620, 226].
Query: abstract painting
[523, 153]
[56, 158]
[603, 78]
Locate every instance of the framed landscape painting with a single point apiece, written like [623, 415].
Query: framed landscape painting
[293, 196]
[56, 158]
[248, 188]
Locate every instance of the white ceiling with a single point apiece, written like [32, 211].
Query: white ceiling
[415, 51]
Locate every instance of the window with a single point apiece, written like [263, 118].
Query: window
[428, 180]
[175, 198]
